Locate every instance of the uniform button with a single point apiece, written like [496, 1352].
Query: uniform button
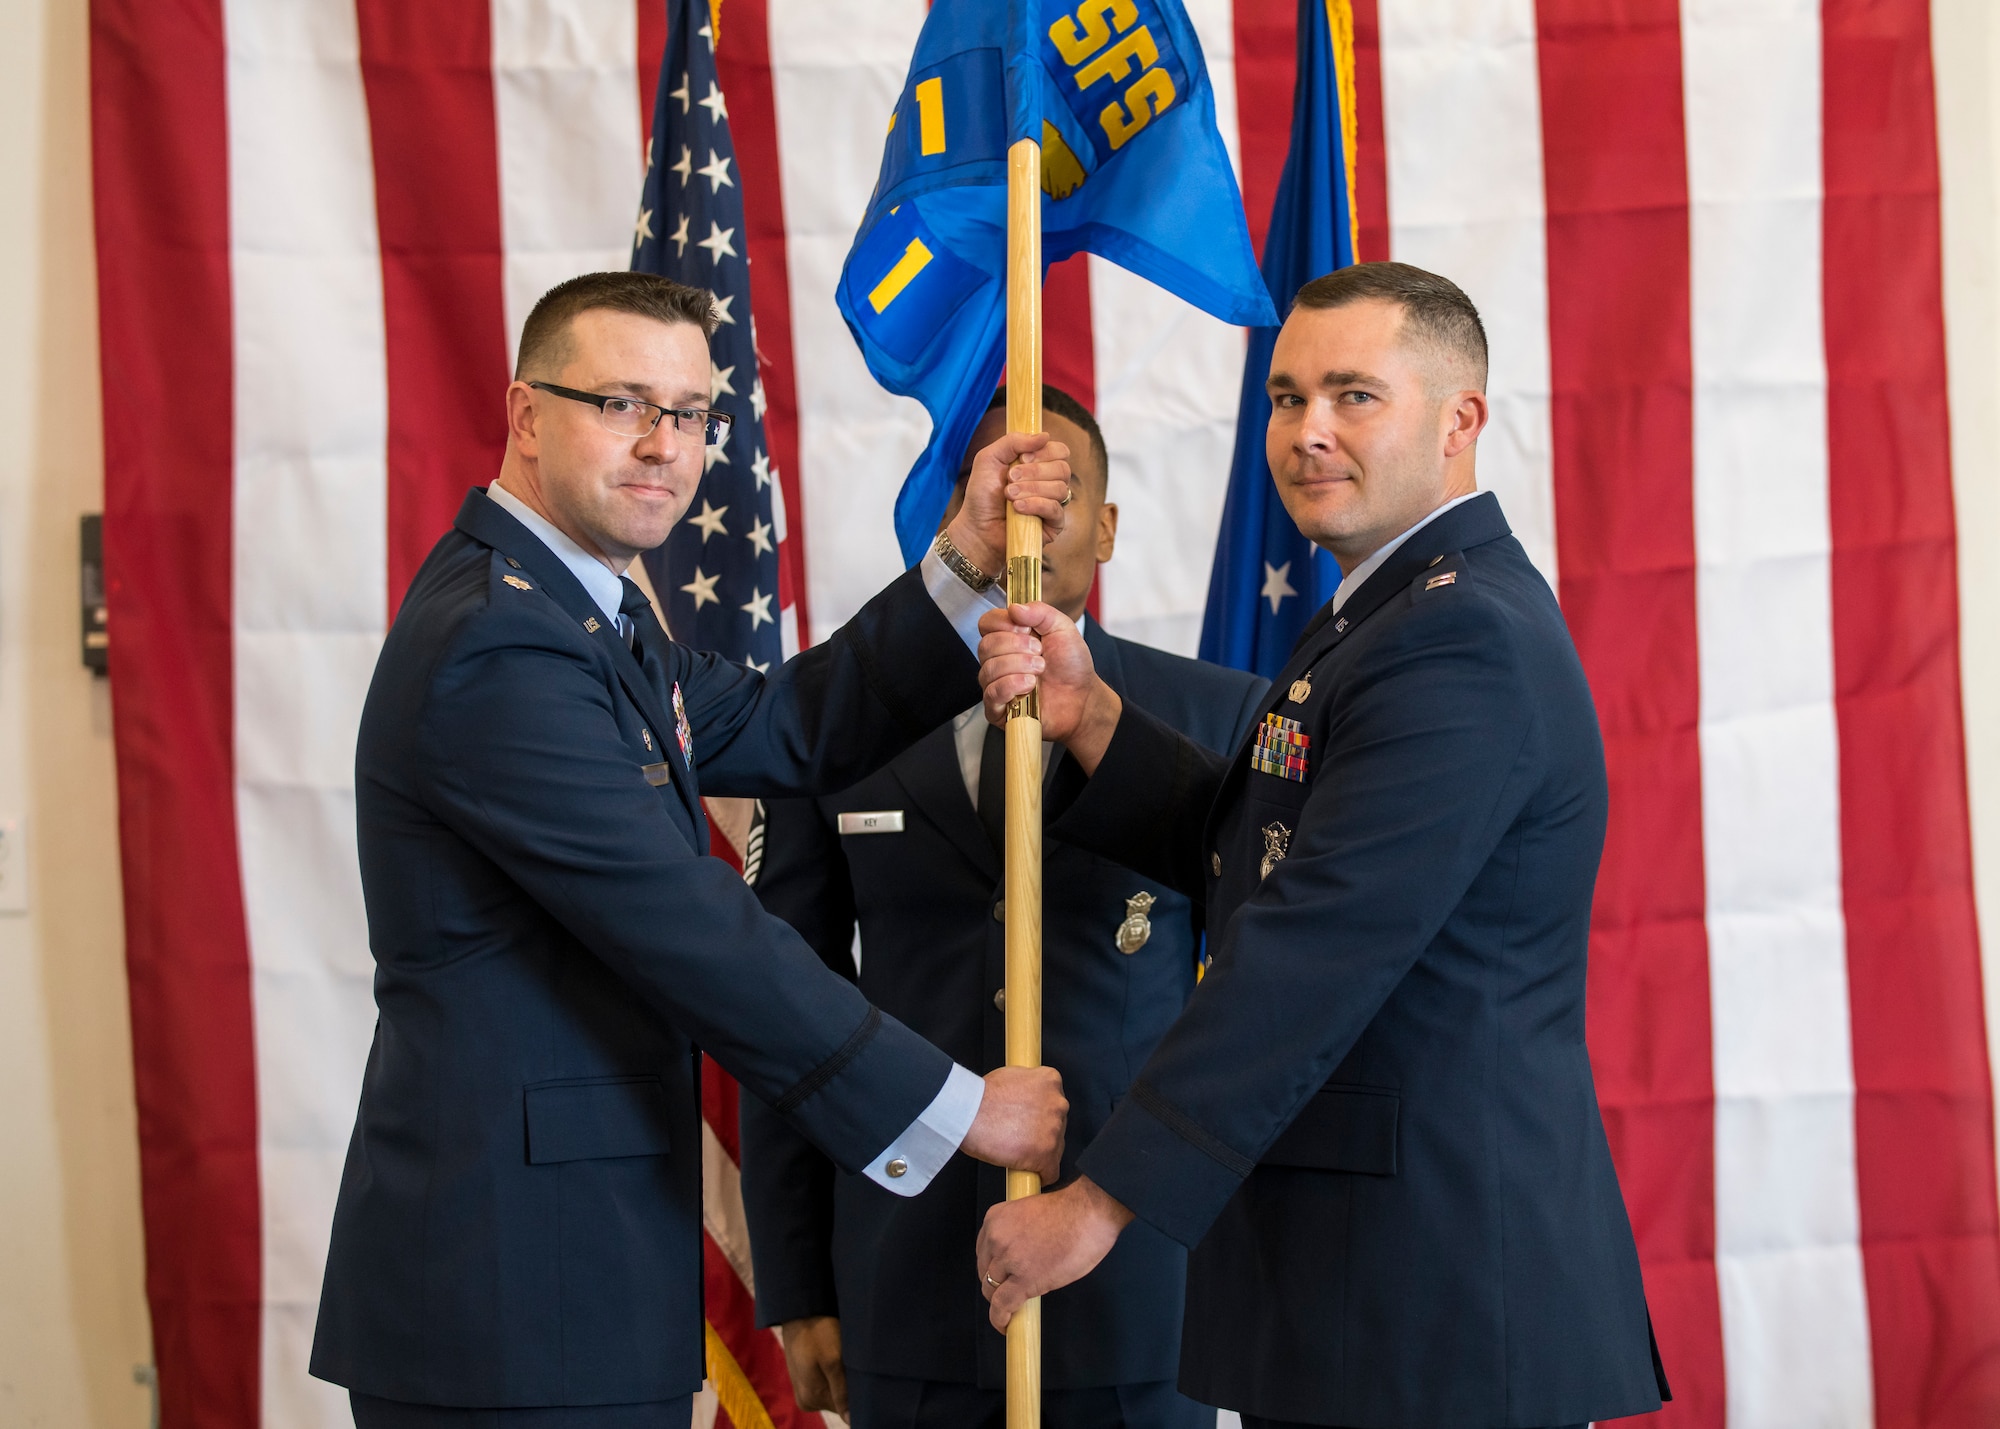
[1000, 911]
[1000, 999]
[1215, 864]
[896, 1168]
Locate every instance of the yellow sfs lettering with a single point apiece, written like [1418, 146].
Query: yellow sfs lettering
[1096, 17]
[1148, 97]
[1118, 61]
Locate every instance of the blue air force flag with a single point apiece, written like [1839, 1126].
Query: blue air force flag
[1267, 579]
[717, 574]
[1133, 169]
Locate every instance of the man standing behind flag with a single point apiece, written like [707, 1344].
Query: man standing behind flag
[1375, 1126]
[1133, 169]
[878, 1287]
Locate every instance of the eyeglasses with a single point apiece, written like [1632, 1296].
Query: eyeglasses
[631, 417]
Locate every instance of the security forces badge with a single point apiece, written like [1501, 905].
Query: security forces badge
[1137, 928]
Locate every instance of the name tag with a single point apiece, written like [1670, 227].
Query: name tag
[878, 821]
[657, 774]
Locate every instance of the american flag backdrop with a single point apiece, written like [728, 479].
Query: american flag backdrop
[1705, 238]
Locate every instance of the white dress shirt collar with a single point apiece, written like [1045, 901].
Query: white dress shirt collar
[1353, 580]
[598, 582]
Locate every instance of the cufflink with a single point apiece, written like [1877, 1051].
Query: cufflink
[897, 1168]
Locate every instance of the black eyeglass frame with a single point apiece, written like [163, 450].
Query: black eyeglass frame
[715, 425]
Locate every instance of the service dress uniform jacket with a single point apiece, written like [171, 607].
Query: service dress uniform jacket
[519, 1221]
[1375, 1123]
[921, 877]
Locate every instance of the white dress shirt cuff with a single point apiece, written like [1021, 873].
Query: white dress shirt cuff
[961, 604]
[909, 1162]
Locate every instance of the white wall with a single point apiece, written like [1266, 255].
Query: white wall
[72, 1310]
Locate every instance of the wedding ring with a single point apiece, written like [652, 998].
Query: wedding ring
[994, 1283]
[1066, 496]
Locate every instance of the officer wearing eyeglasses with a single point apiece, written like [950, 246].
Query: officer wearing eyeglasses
[517, 1240]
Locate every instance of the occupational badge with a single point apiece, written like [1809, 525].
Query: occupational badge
[1277, 841]
[1302, 688]
[517, 583]
[682, 731]
[1137, 927]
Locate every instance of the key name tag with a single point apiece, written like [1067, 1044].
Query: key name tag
[879, 821]
[657, 774]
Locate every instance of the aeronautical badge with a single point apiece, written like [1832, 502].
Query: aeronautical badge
[517, 583]
[1137, 927]
[1277, 840]
[1302, 688]
[682, 732]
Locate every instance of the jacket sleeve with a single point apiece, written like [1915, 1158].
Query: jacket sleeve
[524, 759]
[837, 712]
[1145, 805]
[1430, 754]
[1246, 713]
[787, 1181]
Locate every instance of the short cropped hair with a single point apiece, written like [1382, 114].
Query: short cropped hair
[545, 337]
[1436, 313]
[1055, 400]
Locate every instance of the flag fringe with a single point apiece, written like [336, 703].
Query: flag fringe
[733, 1390]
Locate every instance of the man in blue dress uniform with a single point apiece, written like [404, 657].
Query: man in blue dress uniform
[517, 1241]
[1375, 1124]
[874, 1294]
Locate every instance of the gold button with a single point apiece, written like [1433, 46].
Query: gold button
[1215, 864]
[1000, 999]
[1436, 559]
[897, 1168]
[1000, 911]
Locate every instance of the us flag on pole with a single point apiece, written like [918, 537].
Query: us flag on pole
[718, 578]
[717, 575]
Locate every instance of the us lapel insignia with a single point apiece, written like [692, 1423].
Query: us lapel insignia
[682, 731]
[1137, 927]
[1340, 625]
[1302, 688]
[517, 583]
[590, 624]
[1447, 578]
[646, 735]
[1277, 842]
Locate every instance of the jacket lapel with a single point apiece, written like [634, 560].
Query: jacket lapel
[481, 518]
[1476, 522]
[929, 773]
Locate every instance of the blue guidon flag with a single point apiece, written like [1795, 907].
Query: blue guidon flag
[1133, 169]
[1267, 579]
[717, 574]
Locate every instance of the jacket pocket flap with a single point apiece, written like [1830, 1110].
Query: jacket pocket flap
[1342, 1129]
[610, 1116]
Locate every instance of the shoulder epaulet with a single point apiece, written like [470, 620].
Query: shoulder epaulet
[1443, 572]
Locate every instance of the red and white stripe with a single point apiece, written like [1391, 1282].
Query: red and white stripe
[1705, 238]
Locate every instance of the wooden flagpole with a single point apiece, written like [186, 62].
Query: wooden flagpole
[1024, 732]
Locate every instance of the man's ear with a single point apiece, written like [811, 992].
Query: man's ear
[1107, 531]
[521, 419]
[1466, 418]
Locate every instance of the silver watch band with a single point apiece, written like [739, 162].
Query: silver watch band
[960, 565]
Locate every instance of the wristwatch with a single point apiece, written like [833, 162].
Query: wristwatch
[960, 565]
